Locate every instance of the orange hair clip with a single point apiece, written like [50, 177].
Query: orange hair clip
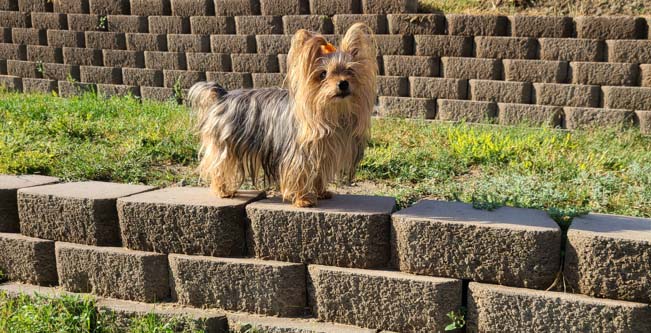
[328, 48]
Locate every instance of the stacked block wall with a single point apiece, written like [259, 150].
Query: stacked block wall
[559, 71]
[351, 264]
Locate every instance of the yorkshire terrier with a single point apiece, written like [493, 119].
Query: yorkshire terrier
[303, 137]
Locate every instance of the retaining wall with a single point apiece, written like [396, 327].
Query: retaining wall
[352, 264]
[560, 71]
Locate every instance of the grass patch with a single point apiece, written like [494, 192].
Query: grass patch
[537, 7]
[125, 140]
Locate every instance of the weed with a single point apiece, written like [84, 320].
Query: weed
[246, 328]
[102, 23]
[40, 68]
[177, 88]
[458, 319]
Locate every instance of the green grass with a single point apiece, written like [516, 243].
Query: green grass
[124, 140]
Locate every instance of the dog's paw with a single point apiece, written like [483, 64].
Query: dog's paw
[304, 202]
[326, 195]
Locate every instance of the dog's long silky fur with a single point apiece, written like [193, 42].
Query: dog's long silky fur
[301, 138]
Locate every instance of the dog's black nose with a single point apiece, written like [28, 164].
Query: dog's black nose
[343, 85]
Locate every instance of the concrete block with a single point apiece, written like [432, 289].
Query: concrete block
[500, 91]
[566, 95]
[273, 44]
[169, 25]
[477, 25]
[40, 53]
[15, 19]
[34, 6]
[333, 7]
[182, 78]
[258, 25]
[99, 74]
[13, 51]
[11, 83]
[533, 115]
[146, 42]
[109, 7]
[406, 107]
[581, 118]
[122, 58]
[212, 25]
[542, 71]
[228, 44]
[5, 35]
[61, 38]
[392, 86]
[394, 44]
[84, 22]
[317, 23]
[416, 24]
[9, 185]
[189, 8]
[438, 88]
[49, 21]
[382, 300]
[643, 118]
[631, 98]
[443, 46]
[188, 43]
[467, 111]
[377, 23]
[150, 7]
[284, 7]
[158, 94]
[61, 72]
[69, 89]
[571, 49]
[237, 7]
[9, 5]
[109, 90]
[421, 235]
[629, 51]
[71, 6]
[142, 77]
[267, 80]
[411, 65]
[254, 63]
[607, 257]
[28, 260]
[28, 36]
[178, 318]
[471, 68]
[43, 86]
[604, 74]
[127, 23]
[187, 220]
[23, 69]
[82, 56]
[389, 6]
[506, 47]
[231, 81]
[542, 26]
[239, 284]
[241, 321]
[113, 272]
[610, 27]
[349, 231]
[106, 40]
[217, 62]
[165, 60]
[544, 311]
[82, 212]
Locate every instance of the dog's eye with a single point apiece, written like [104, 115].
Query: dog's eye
[323, 75]
[350, 71]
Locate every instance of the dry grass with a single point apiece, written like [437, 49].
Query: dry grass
[538, 7]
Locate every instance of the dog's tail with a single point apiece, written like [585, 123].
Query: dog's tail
[202, 96]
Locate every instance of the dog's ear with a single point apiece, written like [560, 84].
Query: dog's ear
[359, 42]
[303, 54]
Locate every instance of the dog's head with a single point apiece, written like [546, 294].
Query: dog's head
[330, 84]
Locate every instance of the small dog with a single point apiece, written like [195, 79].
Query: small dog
[302, 137]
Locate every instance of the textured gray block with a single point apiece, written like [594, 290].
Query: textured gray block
[188, 43]
[506, 47]
[241, 321]
[231, 81]
[350, 231]
[212, 25]
[541, 311]
[421, 244]
[571, 49]
[581, 118]
[443, 46]
[317, 23]
[477, 25]
[467, 111]
[382, 300]
[566, 95]
[631, 98]
[500, 91]
[273, 44]
[165, 60]
[406, 107]
[264, 287]
[187, 220]
[113, 272]
[237, 7]
[284, 7]
[629, 51]
[471, 68]
[389, 6]
[392, 86]
[255, 63]
[61, 38]
[610, 27]
[121, 90]
[266, 80]
[332, 7]
[377, 23]
[435, 87]
[604, 74]
[233, 44]
[169, 25]
[74, 212]
[542, 26]
[411, 65]
[258, 25]
[9, 185]
[416, 24]
[43, 86]
[542, 71]
[127, 23]
[394, 44]
[146, 42]
[28, 260]
[217, 62]
[534, 115]
[182, 78]
[607, 257]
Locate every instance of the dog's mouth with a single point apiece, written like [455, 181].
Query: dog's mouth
[342, 94]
